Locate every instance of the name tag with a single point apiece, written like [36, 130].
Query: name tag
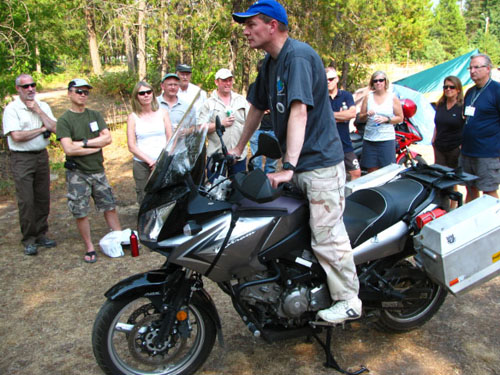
[469, 111]
[93, 126]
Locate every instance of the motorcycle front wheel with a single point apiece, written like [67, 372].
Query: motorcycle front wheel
[422, 298]
[124, 343]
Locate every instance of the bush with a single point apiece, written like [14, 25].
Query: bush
[117, 84]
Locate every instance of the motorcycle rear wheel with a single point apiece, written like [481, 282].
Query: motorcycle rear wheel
[405, 277]
[124, 332]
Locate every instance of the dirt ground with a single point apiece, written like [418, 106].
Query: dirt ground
[48, 304]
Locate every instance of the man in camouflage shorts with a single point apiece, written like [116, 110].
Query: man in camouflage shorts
[83, 134]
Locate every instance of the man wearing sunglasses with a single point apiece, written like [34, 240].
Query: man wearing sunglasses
[27, 123]
[83, 134]
[480, 152]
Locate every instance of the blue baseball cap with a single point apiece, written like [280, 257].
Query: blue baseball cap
[270, 8]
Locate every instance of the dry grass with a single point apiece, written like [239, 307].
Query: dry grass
[48, 304]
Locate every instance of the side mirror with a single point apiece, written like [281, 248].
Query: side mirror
[268, 146]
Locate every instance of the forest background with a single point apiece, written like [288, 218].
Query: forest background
[114, 42]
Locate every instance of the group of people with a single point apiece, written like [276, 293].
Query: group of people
[302, 102]
[467, 132]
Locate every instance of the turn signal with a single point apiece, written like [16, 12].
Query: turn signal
[181, 315]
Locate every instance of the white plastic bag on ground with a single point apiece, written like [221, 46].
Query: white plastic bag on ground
[111, 243]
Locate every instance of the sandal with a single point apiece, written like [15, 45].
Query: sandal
[92, 255]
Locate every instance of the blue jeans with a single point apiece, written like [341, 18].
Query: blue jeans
[270, 166]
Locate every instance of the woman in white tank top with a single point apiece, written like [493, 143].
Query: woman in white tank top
[381, 110]
[148, 131]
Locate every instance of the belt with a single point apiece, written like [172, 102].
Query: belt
[27, 152]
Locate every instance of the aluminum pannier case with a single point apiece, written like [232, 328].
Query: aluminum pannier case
[461, 249]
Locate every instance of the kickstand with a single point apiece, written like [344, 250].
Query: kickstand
[330, 361]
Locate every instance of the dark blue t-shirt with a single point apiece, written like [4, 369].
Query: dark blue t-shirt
[299, 74]
[482, 131]
[343, 98]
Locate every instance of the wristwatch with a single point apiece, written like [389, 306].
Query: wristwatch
[85, 141]
[288, 166]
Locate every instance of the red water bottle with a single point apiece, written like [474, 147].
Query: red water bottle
[134, 245]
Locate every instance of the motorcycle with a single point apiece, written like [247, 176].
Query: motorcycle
[254, 242]
[407, 134]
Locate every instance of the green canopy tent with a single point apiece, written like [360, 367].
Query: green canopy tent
[430, 81]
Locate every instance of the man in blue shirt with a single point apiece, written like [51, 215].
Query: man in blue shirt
[480, 153]
[344, 110]
[292, 84]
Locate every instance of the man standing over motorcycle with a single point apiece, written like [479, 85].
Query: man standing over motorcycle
[292, 79]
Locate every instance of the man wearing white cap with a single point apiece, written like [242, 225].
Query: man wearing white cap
[83, 134]
[292, 85]
[232, 109]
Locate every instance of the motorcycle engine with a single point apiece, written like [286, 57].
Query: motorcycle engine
[287, 303]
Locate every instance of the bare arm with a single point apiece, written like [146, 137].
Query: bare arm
[167, 123]
[363, 115]
[252, 122]
[296, 130]
[48, 122]
[346, 115]
[398, 112]
[75, 148]
[26, 135]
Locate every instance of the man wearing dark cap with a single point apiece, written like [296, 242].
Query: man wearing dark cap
[27, 123]
[292, 85]
[188, 91]
[83, 134]
[170, 101]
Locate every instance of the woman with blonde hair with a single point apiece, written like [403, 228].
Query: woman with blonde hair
[148, 131]
[381, 110]
[449, 122]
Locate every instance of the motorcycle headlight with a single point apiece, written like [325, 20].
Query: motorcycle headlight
[151, 222]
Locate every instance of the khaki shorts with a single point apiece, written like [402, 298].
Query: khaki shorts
[487, 169]
[81, 186]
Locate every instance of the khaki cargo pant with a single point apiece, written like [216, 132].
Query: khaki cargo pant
[324, 189]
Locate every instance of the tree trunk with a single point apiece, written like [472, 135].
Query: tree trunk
[92, 37]
[141, 43]
[37, 58]
[129, 49]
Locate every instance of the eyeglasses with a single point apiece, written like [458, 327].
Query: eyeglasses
[379, 80]
[32, 84]
[147, 92]
[82, 92]
[331, 79]
[476, 67]
[450, 87]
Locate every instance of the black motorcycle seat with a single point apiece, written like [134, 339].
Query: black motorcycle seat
[370, 211]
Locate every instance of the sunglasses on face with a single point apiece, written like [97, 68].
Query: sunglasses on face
[451, 87]
[332, 79]
[379, 80]
[147, 92]
[32, 84]
[82, 92]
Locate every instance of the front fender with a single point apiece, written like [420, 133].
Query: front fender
[150, 285]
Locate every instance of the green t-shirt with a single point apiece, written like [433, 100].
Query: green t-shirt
[78, 126]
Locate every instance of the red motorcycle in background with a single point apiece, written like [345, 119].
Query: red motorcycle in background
[407, 134]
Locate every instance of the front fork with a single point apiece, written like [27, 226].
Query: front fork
[186, 283]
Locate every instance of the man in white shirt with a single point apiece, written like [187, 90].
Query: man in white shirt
[232, 109]
[175, 106]
[27, 123]
[187, 91]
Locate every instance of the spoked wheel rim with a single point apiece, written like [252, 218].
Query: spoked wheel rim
[134, 350]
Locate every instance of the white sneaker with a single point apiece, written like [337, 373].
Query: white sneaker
[342, 311]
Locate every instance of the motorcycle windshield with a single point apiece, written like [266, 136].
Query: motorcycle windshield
[179, 156]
